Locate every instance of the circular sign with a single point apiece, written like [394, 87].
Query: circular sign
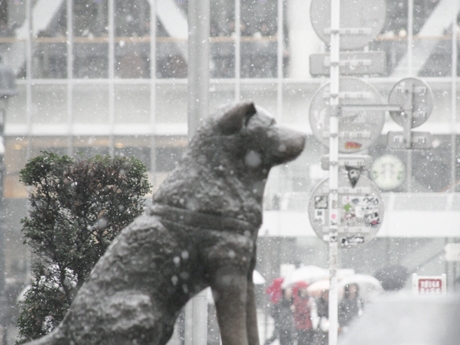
[388, 172]
[360, 209]
[413, 95]
[357, 129]
[360, 21]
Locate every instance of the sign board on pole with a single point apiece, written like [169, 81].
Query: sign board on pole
[415, 97]
[350, 63]
[360, 21]
[355, 161]
[418, 140]
[452, 252]
[358, 128]
[360, 208]
[429, 285]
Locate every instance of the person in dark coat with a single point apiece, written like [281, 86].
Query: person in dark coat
[322, 309]
[286, 318]
[350, 307]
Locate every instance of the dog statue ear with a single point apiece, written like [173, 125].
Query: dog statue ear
[232, 121]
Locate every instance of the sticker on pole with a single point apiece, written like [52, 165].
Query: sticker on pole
[360, 211]
[358, 129]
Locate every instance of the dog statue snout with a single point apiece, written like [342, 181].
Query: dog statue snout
[291, 145]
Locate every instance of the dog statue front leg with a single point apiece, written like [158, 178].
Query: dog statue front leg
[251, 316]
[230, 296]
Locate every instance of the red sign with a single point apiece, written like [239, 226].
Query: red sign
[430, 286]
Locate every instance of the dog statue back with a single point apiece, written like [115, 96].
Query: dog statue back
[200, 231]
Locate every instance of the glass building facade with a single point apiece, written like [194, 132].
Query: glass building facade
[110, 77]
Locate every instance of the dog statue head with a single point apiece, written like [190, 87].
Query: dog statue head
[226, 165]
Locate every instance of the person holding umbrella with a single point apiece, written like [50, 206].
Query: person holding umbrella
[322, 311]
[350, 307]
[286, 317]
[302, 315]
[275, 294]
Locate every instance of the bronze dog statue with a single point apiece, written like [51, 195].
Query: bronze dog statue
[200, 231]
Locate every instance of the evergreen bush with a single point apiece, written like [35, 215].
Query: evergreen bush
[77, 207]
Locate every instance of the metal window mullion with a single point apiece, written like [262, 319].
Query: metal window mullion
[153, 87]
[410, 70]
[28, 82]
[280, 50]
[453, 95]
[237, 50]
[29, 96]
[410, 36]
[111, 72]
[70, 43]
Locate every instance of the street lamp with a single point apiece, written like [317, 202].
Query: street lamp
[7, 89]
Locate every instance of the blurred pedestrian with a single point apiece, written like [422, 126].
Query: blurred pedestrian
[321, 336]
[286, 318]
[275, 294]
[350, 307]
[302, 314]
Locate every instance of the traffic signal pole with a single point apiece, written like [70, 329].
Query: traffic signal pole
[334, 219]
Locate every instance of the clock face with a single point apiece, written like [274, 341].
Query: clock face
[388, 172]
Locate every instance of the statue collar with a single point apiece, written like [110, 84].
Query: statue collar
[201, 220]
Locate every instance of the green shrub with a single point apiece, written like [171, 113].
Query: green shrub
[76, 209]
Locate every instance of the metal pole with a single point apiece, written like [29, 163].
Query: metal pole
[3, 306]
[410, 70]
[198, 63]
[196, 320]
[453, 95]
[280, 39]
[196, 312]
[111, 75]
[410, 36]
[70, 60]
[153, 89]
[334, 170]
[237, 50]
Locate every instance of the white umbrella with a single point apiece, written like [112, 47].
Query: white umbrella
[257, 278]
[369, 286]
[317, 288]
[307, 274]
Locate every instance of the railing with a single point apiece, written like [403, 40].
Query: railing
[258, 56]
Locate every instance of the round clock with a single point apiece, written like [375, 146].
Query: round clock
[388, 172]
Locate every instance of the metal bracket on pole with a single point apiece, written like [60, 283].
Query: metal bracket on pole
[356, 161]
[407, 116]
